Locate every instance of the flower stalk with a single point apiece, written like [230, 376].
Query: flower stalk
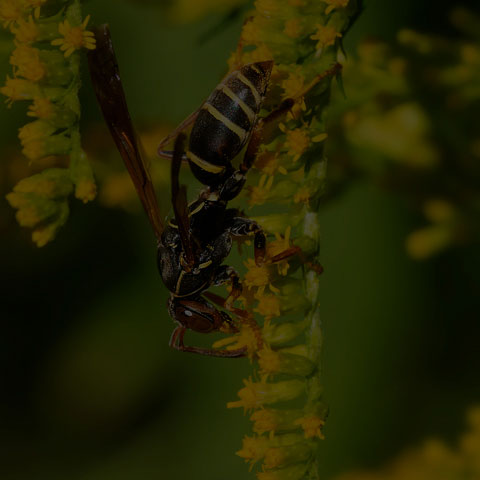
[304, 39]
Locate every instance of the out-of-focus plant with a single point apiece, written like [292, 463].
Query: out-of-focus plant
[410, 124]
[45, 60]
[434, 460]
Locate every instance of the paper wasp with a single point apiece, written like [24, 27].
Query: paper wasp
[193, 245]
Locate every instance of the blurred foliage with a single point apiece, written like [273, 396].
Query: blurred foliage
[90, 389]
[409, 124]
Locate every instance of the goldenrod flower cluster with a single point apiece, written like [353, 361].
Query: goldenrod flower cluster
[284, 394]
[45, 72]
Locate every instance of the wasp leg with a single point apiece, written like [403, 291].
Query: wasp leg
[239, 50]
[174, 338]
[220, 301]
[263, 129]
[169, 154]
[232, 186]
[247, 317]
[294, 250]
[176, 342]
[226, 274]
[334, 70]
[244, 227]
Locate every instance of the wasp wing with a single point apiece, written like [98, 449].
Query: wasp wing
[183, 126]
[106, 81]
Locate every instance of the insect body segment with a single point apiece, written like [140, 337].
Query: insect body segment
[224, 123]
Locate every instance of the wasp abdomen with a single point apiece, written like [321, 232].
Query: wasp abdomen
[225, 122]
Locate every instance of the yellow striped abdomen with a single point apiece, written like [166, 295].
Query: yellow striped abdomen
[225, 122]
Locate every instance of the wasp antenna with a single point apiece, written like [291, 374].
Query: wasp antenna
[180, 203]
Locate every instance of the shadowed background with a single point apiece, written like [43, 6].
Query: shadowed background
[90, 389]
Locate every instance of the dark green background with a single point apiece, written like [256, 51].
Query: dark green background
[90, 389]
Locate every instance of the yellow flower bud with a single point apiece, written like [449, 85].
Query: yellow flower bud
[280, 334]
[312, 426]
[51, 183]
[275, 420]
[282, 456]
[274, 362]
[28, 64]
[257, 394]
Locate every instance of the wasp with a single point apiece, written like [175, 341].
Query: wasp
[194, 243]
